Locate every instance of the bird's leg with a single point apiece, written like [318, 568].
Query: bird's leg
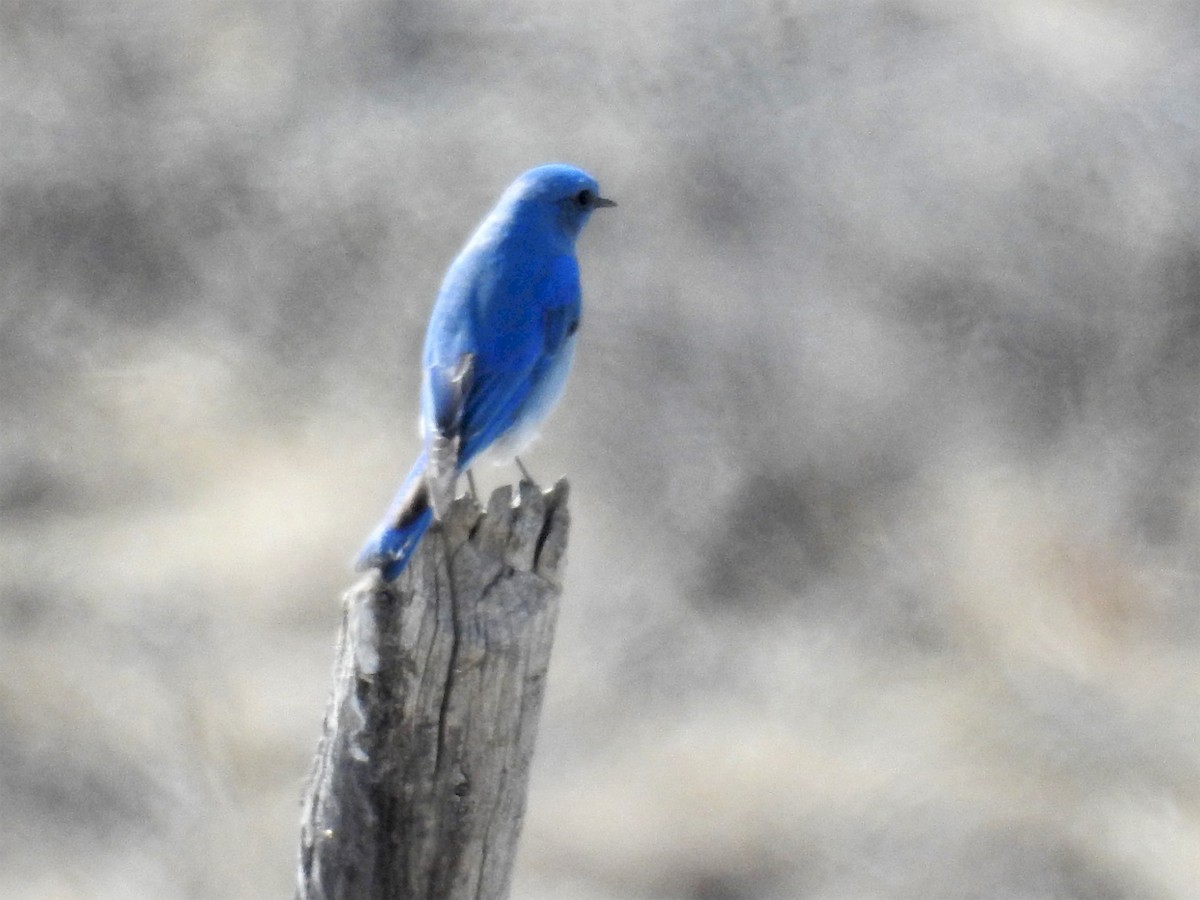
[471, 486]
[525, 476]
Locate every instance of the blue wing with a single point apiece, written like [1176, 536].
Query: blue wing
[518, 331]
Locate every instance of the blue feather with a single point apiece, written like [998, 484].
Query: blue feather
[499, 345]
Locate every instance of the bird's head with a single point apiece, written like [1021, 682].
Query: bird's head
[563, 194]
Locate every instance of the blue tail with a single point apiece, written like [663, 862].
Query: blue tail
[392, 543]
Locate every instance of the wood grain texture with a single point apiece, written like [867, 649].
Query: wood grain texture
[418, 787]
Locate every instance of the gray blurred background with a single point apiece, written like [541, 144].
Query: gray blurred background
[884, 433]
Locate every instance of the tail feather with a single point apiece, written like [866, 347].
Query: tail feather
[395, 539]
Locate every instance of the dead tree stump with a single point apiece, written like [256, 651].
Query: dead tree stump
[418, 787]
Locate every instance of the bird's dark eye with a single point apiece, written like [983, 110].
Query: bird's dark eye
[584, 197]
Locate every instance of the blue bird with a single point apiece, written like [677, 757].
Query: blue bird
[498, 348]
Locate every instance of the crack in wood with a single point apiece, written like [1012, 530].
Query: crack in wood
[418, 787]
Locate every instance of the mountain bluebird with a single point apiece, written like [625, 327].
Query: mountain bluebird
[498, 348]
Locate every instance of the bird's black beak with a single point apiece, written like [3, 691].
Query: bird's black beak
[601, 202]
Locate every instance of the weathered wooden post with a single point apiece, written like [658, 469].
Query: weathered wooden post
[418, 787]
